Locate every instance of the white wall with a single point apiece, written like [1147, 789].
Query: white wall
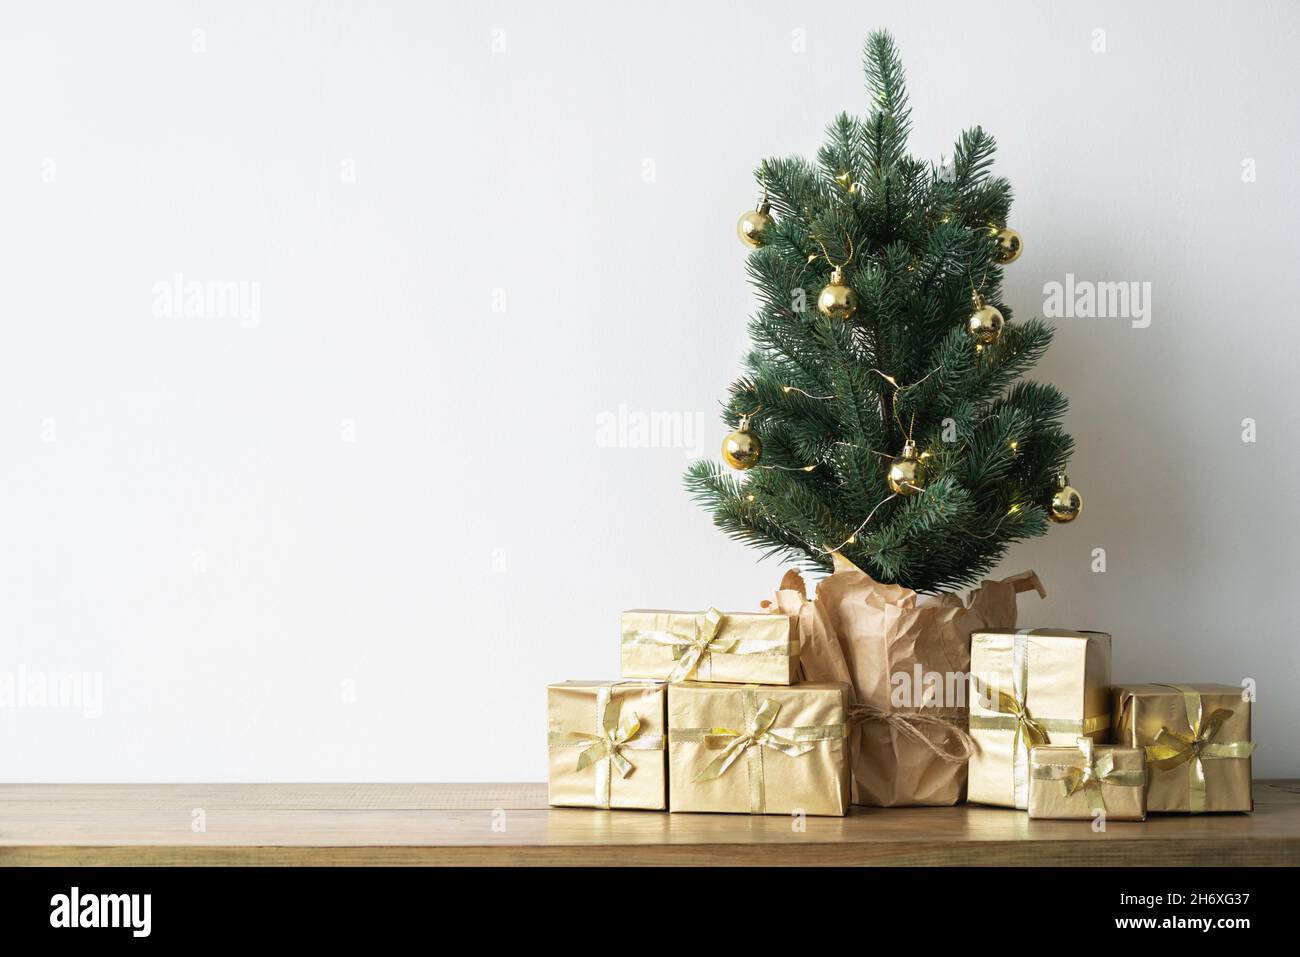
[377, 487]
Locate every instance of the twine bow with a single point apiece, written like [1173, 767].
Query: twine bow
[914, 726]
[707, 627]
[1173, 748]
[1096, 771]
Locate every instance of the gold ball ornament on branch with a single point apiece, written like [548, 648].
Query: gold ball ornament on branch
[1067, 503]
[742, 449]
[837, 299]
[755, 226]
[1009, 245]
[985, 323]
[906, 475]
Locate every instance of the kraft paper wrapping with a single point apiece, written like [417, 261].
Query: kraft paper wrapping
[758, 749]
[1212, 777]
[1078, 782]
[741, 647]
[606, 744]
[880, 637]
[1033, 686]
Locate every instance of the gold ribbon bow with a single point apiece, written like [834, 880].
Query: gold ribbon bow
[915, 724]
[605, 747]
[757, 734]
[1029, 730]
[1173, 748]
[707, 627]
[1095, 771]
[609, 745]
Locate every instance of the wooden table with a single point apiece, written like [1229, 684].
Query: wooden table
[69, 824]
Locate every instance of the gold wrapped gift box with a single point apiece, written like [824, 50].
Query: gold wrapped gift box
[751, 749]
[1084, 781]
[1028, 687]
[747, 648]
[606, 744]
[1197, 744]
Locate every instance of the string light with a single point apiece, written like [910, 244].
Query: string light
[852, 539]
[787, 389]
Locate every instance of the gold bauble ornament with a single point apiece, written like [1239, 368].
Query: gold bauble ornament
[1067, 503]
[906, 473]
[837, 301]
[1009, 246]
[985, 323]
[754, 225]
[742, 449]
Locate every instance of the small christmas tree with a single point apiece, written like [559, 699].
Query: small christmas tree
[880, 414]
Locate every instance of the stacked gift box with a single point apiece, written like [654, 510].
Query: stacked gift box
[712, 715]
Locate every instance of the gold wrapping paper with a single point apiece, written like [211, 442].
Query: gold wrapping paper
[1197, 742]
[1028, 687]
[878, 637]
[1085, 780]
[606, 744]
[755, 749]
[741, 647]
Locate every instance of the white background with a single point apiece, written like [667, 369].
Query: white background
[353, 540]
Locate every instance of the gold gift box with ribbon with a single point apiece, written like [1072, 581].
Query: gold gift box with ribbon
[1087, 781]
[1197, 744]
[743, 647]
[1029, 687]
[753, 749]
[606, 744]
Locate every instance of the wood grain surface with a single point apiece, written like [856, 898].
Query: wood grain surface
[501, 824]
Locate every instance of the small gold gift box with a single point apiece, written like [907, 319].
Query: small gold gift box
[1028, 687]
[742, 647]
[606, 744]
[758, 750]
[1086, 781]
[1197, 744]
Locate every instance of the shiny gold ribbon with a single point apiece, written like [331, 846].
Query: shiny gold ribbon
[693, 652]
[1173, 748]
[916, 725]
[758, 734]
[1089, 778]
[1013, 715]
[605, 748]
[707, 627]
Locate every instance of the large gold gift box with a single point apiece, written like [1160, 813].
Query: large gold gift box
[753, 749]
[1197, 743]
[1085, 781]
[606, 744]
[742, 647]
[1028, 687]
